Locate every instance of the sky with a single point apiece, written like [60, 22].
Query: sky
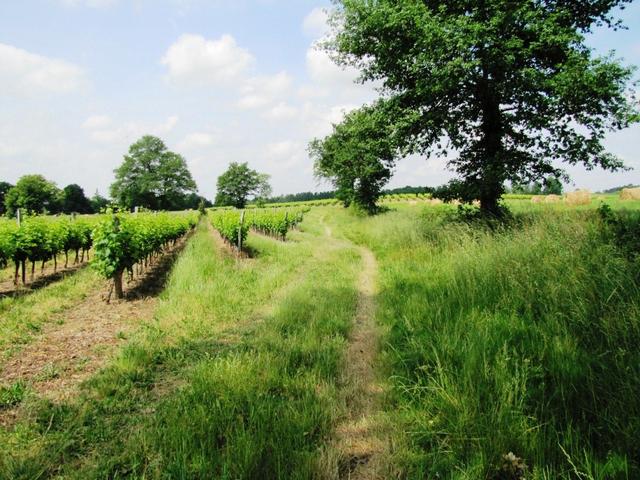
[218, 80]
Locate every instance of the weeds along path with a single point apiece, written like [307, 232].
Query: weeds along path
[360, 441]
[77, 342]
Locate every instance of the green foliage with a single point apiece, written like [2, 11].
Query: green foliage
[520, 339]
[228, 223]
[12, 395]
[357, 157]
[275, 222]
[122, 240]
[238, 183]
[75, 201]
[39, 239]
[34, 194]
[152, 177]
[624, 228]
[98, 203]
[510, 86]
[4, 188]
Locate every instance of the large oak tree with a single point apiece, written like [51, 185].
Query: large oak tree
[509, 87]
[151, 176]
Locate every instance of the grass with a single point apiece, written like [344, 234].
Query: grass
[505, 350]
[22, 316]
[519, 340]
[219, 385]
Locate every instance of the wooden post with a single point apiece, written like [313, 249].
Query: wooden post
[240, 231]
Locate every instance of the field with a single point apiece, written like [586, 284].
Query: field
[411, 344]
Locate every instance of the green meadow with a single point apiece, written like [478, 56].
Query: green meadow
[501, 351]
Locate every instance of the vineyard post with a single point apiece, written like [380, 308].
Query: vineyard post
[18, 217]
[240, 231]
[117, 275]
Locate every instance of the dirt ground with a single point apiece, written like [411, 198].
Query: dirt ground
[79, 342]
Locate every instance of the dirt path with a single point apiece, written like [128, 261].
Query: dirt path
[360, 441]
[41, 279]
[79, 342]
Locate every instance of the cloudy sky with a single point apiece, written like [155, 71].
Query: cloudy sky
[218, 80]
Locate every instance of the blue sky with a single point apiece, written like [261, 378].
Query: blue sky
[218, 80]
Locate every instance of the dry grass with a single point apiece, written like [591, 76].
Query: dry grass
[630, 193]
[579, 197]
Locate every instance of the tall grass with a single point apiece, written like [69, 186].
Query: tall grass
[521, 340]
[236, 378]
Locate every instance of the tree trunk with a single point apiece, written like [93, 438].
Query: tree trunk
[66, 258]
[33, 269]
[17, 273]
[117, 283]
[55, 263]
[24, 272]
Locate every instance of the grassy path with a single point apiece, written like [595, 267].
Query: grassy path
[361, 440]
[236, 376]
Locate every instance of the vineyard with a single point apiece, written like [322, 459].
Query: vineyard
[123, 241]
[287, 345]
[234, 225]
[43, 239]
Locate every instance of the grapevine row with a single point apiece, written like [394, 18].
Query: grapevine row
[41, 239]
[234, 225]
[275, 223]
[124, 240]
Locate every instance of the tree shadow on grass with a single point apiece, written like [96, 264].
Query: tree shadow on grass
[42, 281]
[153, 280]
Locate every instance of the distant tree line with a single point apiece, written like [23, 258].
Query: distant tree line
[150, 176]
[36, 194]
[617, 189]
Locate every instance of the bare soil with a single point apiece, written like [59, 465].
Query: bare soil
[42, 277]
[78, 343]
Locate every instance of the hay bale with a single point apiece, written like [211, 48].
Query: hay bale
[552, 198]
[579, 197]
[537, 199]
[630, 193]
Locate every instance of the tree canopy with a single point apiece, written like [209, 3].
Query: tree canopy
[357, 157]
[4, 188]
[509, 88]
[74, 200]
[239, 183]
[151, 176]
[34, 194]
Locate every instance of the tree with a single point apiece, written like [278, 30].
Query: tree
[4, 188]
[357, 157]
[152, 176]
[511, 87]
[238, 183]
[98, 202]
[33, 193]
[74, 200]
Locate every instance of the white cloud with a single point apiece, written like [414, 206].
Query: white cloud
[194, 60]
[285, 154]
[196, 140]
[315, 23]
[25, 73]
[323, 70]
[131, 131]
[281, 111]
[97, 121]
[261, 91]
